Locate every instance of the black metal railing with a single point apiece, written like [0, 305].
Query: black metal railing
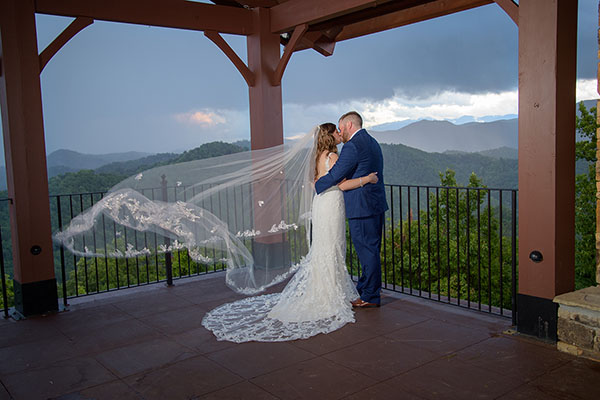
[450, 244]
[456, 245]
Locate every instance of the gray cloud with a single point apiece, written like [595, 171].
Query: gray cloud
[473, 51]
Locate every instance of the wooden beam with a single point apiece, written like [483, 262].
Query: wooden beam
[171, 14]
[25, 155]
[287, 53]
[73, 29]
[286, 16]
[511, 8]
[321, 41]
[232, 55]
[408, 16]
[258, 3]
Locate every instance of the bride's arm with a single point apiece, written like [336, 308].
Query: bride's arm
[349, 184]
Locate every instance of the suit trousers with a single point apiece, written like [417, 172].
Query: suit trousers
[366, 237]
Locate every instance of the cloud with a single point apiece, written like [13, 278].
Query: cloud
[206, 118]
[587, 89]
[445, 105]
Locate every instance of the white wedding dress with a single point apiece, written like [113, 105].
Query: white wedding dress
[317, 298]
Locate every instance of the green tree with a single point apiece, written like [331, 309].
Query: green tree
[585, 199]
[451, 248]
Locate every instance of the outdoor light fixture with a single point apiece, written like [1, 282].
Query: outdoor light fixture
[536, 256]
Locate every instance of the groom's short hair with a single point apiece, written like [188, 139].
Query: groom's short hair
[354, 117]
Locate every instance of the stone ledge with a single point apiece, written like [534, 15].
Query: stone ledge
[587, 298]
[576, 351]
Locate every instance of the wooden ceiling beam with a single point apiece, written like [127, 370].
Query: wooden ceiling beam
[171, 14]
[286, 16]
[319, 41]
[408, 16]
[511, 8]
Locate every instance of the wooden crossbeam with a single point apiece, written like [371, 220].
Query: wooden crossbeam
[408, 16]
[232, 55]
[511, 8]
[287, 53]
[318, 41]
[286, 16]
[73, 29]
[171, 14]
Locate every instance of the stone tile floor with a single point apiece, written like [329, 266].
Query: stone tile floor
[148, 343]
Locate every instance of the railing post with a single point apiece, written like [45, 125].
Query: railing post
[4, 296]
[168, 264]
[62, 254]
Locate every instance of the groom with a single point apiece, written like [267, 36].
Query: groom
[365, 206]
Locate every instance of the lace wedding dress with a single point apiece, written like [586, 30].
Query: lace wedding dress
[317, 298]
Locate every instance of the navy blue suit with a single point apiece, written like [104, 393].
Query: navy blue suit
[365, 207]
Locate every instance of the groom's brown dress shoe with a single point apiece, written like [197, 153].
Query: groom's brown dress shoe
[360, 303]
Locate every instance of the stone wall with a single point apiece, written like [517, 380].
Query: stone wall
[579, 323]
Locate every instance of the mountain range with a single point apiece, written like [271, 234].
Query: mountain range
[441, 136]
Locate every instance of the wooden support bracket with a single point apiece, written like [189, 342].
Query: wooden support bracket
[73, 29]
[511, 8]
[287, 53]
[231, 54]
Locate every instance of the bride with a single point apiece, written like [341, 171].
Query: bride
[318, 297]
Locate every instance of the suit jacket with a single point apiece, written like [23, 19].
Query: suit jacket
[359, 157]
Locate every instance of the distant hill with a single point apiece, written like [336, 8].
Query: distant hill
[207, 150]
[441, 136]
[409, 166]
[132, 167]
[501, 152]
[76, 161]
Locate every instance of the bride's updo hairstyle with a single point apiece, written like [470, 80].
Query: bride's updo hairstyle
[325, 142]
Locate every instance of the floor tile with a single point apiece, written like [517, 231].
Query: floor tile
[513, 357]
[449, 378]
[579, 379]
[90, 317]
[115, 390]
[17, 332]
[381, 391]
[138, 357]
[386, 319]
[57, 379]
[439, 337]
[313, 379]
[240, 391]
[382, 357]
[4, 395]
[176, 321]
[528, 392]
[186, 379]
[252, 359]
[349, 335]
[35, 354]
[201, 341]
[111, 336]
[144, 305]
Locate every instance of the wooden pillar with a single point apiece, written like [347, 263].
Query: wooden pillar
[25, 153]
[598, 162]
[266, 121]
[547, 74]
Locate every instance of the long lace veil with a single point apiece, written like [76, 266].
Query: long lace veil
[248, 212]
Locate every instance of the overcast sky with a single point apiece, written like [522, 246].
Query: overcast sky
[117, 87]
